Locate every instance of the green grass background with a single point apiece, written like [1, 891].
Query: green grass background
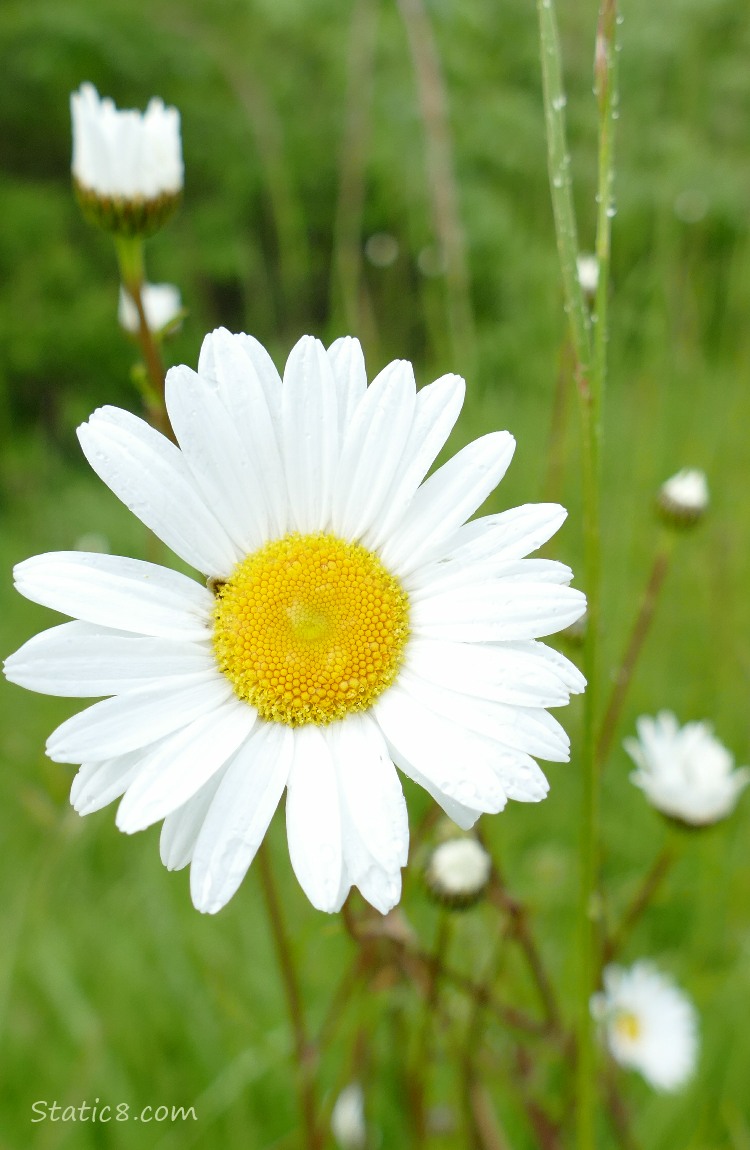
[111, 985]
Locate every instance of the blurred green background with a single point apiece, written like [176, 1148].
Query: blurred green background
[310, 206]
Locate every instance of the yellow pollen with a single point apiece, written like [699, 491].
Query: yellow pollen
[310, 628]
[628, 1025]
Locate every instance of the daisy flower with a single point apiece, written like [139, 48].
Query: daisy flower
[127, 165]
[649, 1024]
[683, 498]
[352, 620]
[685, 772]
[458, 871]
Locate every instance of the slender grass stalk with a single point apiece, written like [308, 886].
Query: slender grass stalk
[303, 1048]
[590, 348]
[347, 240]
[658, 871]
[433, 100]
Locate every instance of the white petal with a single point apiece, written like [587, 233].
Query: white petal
[530, 730]
[223, 469]
[151, 477]
[437, 409]
[130, 721]
[82, 659]
[446, 500]
[370, 789]
[511, 534]
[372, 447]
[98, 783]
[497, 611]
[449, 575]
[459, 764]
[310, 437]
[181, 828]
[239, 815]
[181, 764]
[250, 389]
[348, 365]
[568, 672]
[499, 672]
[126, 594]
[313, 820]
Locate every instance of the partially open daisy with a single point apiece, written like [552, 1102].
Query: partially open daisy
[352, 620]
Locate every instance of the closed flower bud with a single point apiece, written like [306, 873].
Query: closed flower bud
[161, 303]
[127, 165]
[683, 499]
[458, 871]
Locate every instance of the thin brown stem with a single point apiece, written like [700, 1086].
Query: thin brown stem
[627, 667]
[419, 1074]
[305, 1051]
[152, 358]
[640, 902]
[520, 929]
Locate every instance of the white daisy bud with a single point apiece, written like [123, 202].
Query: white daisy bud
[161, 303]
[348, 1118]
[683, 498]
[648, 1024]
[127, 165]
[458, 871]
[588, 273]
[685, 772]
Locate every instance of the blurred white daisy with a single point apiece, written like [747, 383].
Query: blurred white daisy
[587, 266]
[353, 620]
[685, 772]
[683, 498]
[458, 871]
[348, 1118]
[649, 1024]
[161, 303]
[127, 165]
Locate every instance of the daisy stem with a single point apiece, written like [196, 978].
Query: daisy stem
[133, 274]
[589, 339]
[641, 627]
[303, 1048]
[646, 891]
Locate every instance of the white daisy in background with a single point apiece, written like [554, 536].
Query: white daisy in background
[587, 266]
[161, 303]
[348, 1118]
[649, 1024]
[458, 871]
[127, 165]
[353, 620]
[685, 772]
[683, 498]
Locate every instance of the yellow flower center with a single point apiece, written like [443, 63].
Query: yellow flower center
[310, 628]
[628, 1025]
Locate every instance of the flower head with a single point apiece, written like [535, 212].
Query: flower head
[161, 303]
[458, 871]
[683, 499]
[649, 1024]
[127, 165]
[685, 772]
[352, 620]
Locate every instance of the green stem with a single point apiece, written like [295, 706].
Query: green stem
[590, 373]
[133, 274]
